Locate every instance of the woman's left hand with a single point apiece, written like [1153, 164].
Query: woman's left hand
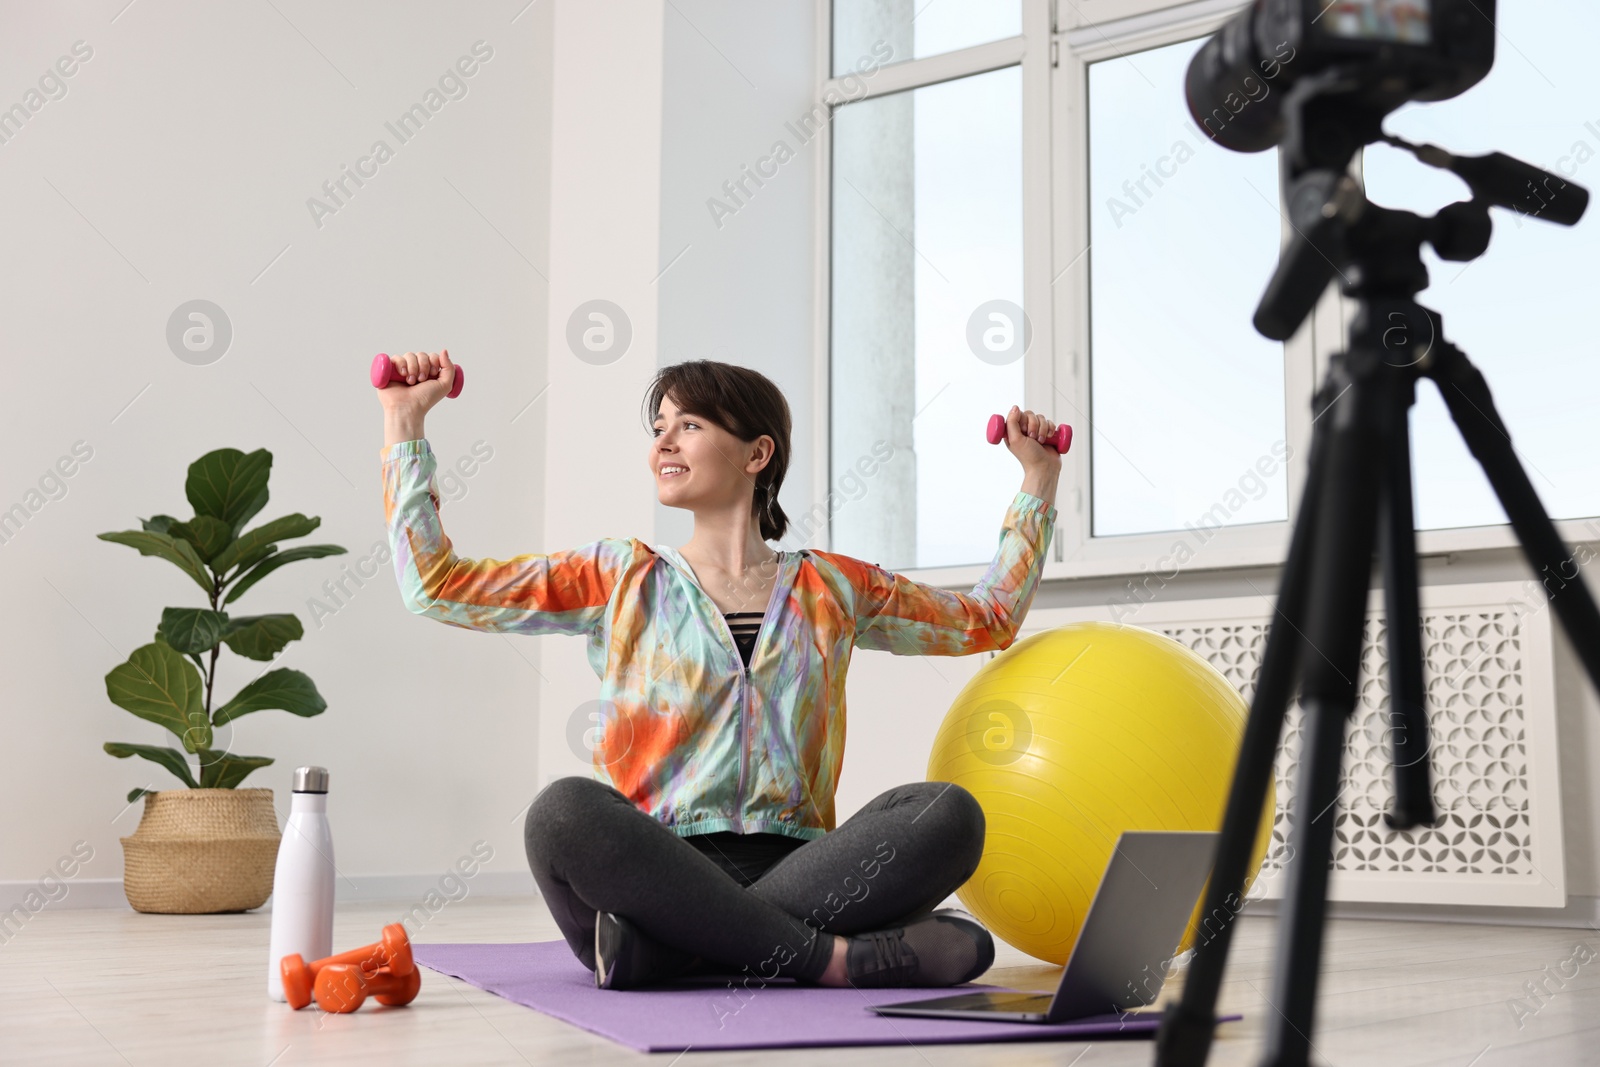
[1041, 464]
[1025, 430]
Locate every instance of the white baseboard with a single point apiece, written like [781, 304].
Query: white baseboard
[85, 893]
[82, 893]
[1579, 913]
[414, 887]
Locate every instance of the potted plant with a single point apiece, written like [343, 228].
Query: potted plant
[210, 847]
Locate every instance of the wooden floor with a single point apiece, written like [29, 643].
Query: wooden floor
[116, 987]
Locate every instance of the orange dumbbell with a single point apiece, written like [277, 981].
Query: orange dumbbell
[343, 986]
[392, 951]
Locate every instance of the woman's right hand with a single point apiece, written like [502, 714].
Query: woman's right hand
[417, 397]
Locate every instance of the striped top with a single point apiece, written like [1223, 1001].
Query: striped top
[744, 625]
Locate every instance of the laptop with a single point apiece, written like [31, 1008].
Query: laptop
[1133, 926]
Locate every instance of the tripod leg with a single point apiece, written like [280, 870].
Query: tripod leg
[1397, 546]
[1188, 1024]
[1359, 440]
[1467, 396]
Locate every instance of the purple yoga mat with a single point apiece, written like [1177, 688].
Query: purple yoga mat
[707, 1014]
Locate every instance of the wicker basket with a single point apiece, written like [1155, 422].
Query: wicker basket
[198, 851]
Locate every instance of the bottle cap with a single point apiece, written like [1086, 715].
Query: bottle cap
[311, 780]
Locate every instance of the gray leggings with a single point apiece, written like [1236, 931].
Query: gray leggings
[592, 850]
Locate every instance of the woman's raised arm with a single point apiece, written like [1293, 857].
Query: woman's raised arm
[905, 617]
[556, 593]
[895, 614]
[560, 592]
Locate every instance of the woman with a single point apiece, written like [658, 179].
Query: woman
[707, 840]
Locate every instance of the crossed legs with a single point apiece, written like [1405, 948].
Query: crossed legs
[591, 850]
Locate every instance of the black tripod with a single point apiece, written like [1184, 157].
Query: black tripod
[1358, 492]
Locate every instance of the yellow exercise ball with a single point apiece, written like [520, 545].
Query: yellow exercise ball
[1070, 737]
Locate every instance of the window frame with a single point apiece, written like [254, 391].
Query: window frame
[1031, 51]
[1059, 40]
[1082, 553]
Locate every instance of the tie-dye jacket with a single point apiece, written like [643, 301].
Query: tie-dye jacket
[689, 733]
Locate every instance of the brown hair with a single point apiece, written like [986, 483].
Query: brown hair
[743, 402]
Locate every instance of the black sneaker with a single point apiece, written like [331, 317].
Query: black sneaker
[625, 957]
[945, 948]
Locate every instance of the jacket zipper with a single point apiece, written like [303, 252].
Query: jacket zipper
[744, 693]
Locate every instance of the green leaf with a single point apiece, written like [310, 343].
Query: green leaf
[158, 523]
[290, 690]
[253, 558]
[223, 770]
[173, 549]
[170, 758]
[229, 485]
[207, 534]
[137, 792]
[158, 684]
[294, 525]
[192, 630]
[199, 664]
[266, 568]
[262, 636]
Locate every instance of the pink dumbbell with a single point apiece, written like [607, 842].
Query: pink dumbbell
[384, 372]
[1060, 442]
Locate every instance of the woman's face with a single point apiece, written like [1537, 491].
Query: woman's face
[699, 464]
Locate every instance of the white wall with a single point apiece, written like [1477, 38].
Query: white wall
[605, 179]
[577, 167]
[737, 287]
[178, 165]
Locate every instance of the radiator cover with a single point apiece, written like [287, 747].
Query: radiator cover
[1492, 720]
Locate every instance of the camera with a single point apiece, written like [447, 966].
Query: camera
[1342, 67]
[1393, 51]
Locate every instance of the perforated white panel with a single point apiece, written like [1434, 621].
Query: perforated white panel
[1491, 718]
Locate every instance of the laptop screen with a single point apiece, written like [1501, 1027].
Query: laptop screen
[1135, 921]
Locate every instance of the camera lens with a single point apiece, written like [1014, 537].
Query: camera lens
[1229, 97]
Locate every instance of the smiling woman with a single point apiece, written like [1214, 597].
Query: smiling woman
[708, 829]
[737, 403]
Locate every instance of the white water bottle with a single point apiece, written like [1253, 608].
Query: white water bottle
[302, 882]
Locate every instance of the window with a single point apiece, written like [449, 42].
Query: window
[1520, 312]
[1187, 400]
[918, 28]
[928, 336]
[1057, 172]
[927, 250]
